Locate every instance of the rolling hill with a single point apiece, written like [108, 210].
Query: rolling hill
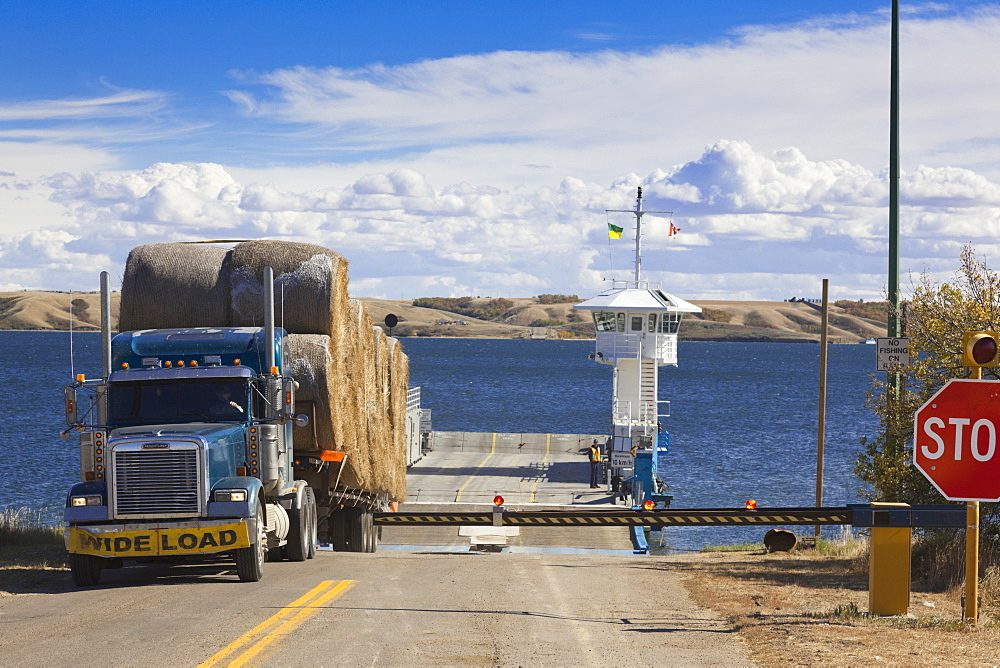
[719, 321]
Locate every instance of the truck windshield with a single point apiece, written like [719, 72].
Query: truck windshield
[177, 401]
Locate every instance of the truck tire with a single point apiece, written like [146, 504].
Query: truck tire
[354, 524]
[302, 529]
[337, 530]
[371, 543]
[250, 560]
[313, 524]
[86, 569]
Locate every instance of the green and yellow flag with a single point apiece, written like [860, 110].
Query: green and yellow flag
[614, 232]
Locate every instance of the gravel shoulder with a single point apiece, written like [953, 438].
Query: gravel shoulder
[800, 608]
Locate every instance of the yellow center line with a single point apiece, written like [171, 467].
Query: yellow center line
[548, 442]
[276, 626]
[493, 448]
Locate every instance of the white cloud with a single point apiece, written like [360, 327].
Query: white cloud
[821, 86]
[755, 224]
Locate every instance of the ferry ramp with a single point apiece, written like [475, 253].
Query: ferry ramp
[464, 471]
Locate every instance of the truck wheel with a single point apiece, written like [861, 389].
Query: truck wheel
[86, 569]
[302, 532]
[313, 523]
[371, 537]
[354, 521]
[337, 530]
[250, 560]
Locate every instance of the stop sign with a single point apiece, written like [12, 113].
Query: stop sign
[955, 440]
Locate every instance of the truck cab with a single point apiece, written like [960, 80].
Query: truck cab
[186, 450]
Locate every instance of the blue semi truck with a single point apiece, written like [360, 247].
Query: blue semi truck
[186, 452]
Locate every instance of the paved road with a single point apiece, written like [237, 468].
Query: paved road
[581, 598]
[394, 608]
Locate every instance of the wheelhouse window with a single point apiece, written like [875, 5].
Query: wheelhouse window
[621, 322]
[604, 321]
[651, 320]
[637, 323]
[152, 402]
[670, 322]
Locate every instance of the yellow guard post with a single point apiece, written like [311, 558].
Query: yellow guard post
[889, 568]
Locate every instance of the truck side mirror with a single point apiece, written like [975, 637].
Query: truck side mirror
[70, 406]
[286, 399]
[301, 420]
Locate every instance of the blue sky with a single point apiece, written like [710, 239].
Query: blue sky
[472, 148]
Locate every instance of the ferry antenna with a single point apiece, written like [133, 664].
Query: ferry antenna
[638, 212]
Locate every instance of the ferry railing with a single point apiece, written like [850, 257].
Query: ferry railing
[619, 344]
[622, 412]
[634, 285]
[413, 398]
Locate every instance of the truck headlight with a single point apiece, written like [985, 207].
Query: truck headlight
[89, 500]
[238, 495]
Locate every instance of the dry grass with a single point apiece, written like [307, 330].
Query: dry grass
[808, 607]
[31, 553]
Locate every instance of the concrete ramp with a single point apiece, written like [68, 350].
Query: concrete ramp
[474, 467]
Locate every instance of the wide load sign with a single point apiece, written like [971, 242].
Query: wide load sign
[141, 540]
[955, 440]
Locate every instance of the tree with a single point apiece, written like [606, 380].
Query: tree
[935, 318]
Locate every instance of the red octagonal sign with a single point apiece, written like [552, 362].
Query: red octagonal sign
[955, 440]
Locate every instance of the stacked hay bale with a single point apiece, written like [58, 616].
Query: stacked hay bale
[174, 285]
[333, 346]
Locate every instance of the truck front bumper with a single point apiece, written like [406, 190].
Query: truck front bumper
[161, 539]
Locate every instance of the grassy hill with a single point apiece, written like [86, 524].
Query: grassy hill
[850, 322]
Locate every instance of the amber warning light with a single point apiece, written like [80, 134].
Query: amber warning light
[751, 504]
[498, 500]
[647, 505]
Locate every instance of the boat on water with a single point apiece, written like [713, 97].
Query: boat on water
[636, 324]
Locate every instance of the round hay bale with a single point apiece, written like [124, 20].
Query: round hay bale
[175, 285]
[381, 426]
[321, 396]
[399, 383]
[310, 286]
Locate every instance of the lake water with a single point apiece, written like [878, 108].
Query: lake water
[743, 415]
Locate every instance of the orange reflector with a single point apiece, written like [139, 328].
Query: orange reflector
[647, 505]
[194, 362]
[288, 397]
[124, 365]
[331, 455]
[498, 500]
[180, 362]
[751, 504]
[168, 364]
[236, 361]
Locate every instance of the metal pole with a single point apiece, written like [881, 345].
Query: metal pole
[638, 232]
[970, 610]
[893, 324]
[105, 325]
[269, 356]
[821, 429]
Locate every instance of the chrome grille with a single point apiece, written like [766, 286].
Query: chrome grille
[156, 482]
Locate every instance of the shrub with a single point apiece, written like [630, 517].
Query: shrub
[557, 299]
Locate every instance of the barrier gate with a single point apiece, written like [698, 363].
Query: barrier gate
[890, 525]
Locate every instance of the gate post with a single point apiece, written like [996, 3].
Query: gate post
[888, 563]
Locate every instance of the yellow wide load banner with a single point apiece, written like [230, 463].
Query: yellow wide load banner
[136, 540]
